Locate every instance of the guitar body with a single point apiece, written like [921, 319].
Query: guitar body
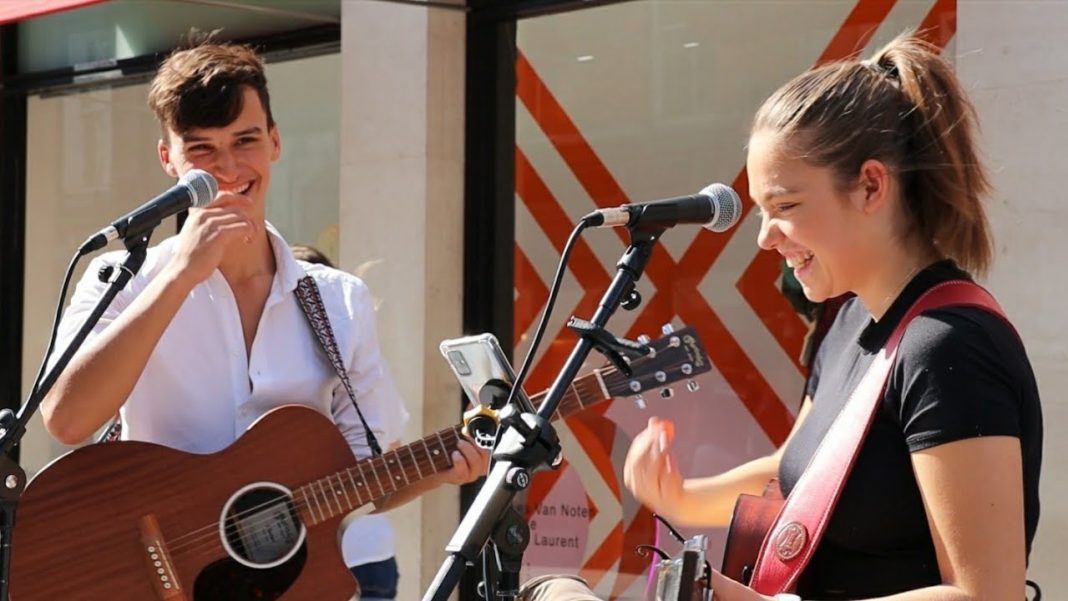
[133, 521]
[753, 517]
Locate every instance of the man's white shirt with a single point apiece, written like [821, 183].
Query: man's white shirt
[200, 390]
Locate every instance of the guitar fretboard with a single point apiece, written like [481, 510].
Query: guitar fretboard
[372, 479]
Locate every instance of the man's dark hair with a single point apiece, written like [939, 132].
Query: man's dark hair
[310, 254]
[204, 86]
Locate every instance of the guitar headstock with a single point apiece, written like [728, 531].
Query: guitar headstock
[677, 355]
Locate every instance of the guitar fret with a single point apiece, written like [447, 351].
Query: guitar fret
[355, 487]
[333, 492]
[326, 500]
[429, 456]
[440, 451]
[337, 497]
[310, 508]
[341, 484]
[574, 391]
[318, 502]
[324, 497]
[415, 462]
[599, 378]
[393, 457]
[374, 470]
[367, 483]
[305, 505]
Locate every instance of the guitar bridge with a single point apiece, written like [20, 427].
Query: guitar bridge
[158, 561]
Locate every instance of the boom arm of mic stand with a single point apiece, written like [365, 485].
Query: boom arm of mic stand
[12, 476]
[529, 439]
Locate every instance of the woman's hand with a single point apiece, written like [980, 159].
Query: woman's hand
[650, 471]
[725, 589]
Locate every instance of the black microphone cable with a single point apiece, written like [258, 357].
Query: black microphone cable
[489, 590]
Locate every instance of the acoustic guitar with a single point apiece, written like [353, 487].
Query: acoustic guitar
[753, 517]
[134, 521]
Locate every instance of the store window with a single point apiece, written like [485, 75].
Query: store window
[92, 157]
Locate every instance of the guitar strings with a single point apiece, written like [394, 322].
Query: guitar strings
[248, 517]
[210, 532]
[258, 515]
[210, 535]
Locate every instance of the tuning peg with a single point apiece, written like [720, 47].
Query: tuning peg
[692, 385]
[686, 369]
[675, 342]
[660, 376]
[644, 339]
[666, 393]
[667, 328]
[635, 386]
[639, 402]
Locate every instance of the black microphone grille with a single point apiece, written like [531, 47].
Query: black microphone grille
[727, 206]
[202, 185]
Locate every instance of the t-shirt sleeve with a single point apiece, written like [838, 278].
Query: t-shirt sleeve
[955, 378]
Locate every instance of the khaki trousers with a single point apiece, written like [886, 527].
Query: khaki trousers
[560, 587]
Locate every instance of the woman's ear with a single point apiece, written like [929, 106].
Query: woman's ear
[873, 186]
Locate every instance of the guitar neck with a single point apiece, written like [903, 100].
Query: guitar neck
[375, 478]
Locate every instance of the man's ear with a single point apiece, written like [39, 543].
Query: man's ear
[873, 186]
[164, 152]
[276, 143]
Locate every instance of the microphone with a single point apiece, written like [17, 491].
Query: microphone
[716, 208]
[197, 188]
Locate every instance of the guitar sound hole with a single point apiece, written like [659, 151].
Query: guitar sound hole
[227, 580]
[260, 526]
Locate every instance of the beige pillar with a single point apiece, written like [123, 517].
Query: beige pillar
[402, 127]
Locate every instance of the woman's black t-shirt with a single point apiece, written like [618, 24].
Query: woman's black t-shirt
[960, 373]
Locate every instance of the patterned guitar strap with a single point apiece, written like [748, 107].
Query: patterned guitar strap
[311, 303]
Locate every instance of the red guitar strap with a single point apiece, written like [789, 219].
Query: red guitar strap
[794, 537]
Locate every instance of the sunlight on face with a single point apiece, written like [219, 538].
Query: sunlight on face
[806, 218]
[238, 155]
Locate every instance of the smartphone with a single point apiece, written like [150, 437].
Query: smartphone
[476, 360]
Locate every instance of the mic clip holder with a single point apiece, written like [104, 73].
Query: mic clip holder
[617, 350]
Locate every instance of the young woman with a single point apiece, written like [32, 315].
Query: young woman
[867, 179]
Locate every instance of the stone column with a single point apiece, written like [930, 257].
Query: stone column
[401, 214]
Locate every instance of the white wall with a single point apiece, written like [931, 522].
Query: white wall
[1013, 56]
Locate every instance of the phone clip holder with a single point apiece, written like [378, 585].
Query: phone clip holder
[617, 350]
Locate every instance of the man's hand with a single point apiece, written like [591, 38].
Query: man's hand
[469, 462]
[207, 234]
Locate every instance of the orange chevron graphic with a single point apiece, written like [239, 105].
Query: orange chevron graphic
[532, 295]
[940, 24]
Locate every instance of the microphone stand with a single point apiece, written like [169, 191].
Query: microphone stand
[13, 428]
[529, 443]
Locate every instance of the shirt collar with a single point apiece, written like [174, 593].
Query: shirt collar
[288, 271]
